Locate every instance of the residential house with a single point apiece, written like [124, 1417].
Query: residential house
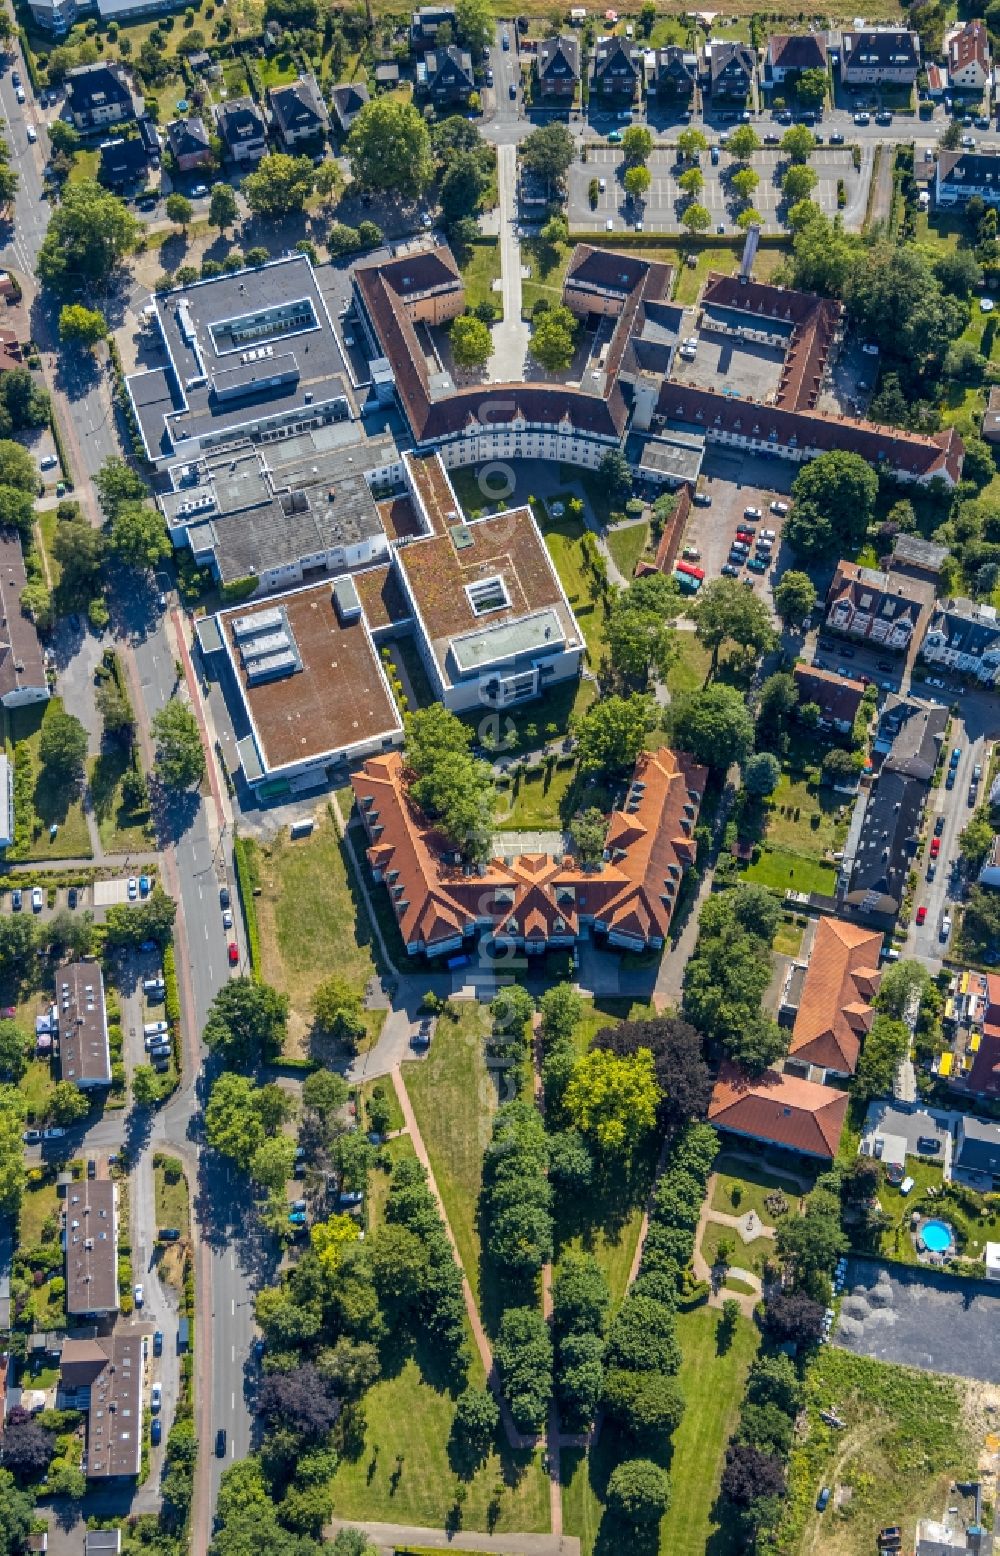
[449, 78]
[964, 635]
[98, 95]
[877, 606]
[676, 71]
[242, 130]
[22, 661]
[983, 1079]
[617, 68]
[961, 174]
[779, 1110]
[425, 22]
[836, 696]
[991, 416]
[91, 1242]
[298, 112]
[976, 1157]
[104, 1378]
[189, 142]
[536, 901]
[731, 69]
[969, 64]
[835, 1010]
[937, 81]
[103, 1542]
[84, 1054]
[882, 843]
[879, 56]
[789, 54]
[917, 558]
[123, 163]
[347, 101]
[386, 76]
[558, 66]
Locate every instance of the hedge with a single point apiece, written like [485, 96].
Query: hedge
[246, 880]
[172, 1003]
[60, 446]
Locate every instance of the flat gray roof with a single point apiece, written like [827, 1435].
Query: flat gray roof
[264, 331]
[506, 641]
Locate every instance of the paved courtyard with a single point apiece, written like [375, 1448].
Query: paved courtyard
[920, 1318]
[664, 202]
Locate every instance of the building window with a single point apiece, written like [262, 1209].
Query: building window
[487, 594]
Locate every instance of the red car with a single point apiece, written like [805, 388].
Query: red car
[921, 915]
[935, 847]
[234, 953]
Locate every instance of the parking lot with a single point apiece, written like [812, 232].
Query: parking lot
[920, 1318]
[735, 481]
[663, 203]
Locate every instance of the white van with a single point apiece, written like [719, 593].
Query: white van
[155, 1029]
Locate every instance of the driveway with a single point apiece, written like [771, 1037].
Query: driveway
[919, 1318]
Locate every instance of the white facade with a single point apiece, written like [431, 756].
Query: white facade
[522, 440]
[6, 801]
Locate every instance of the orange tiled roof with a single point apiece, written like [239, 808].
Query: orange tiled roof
[535, 896]
[781, 1109]
[835, 1010]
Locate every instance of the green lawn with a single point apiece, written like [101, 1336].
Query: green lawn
[312, 923]
[752, 1185]
[905, 1442]
[454, 1097]
[384, 1084]
[172, 1207]
[788, 939]
[38, 1203]
[47, 525]
[536, 801]
[713, 1387]
[36, 1087]
[52, 805]
[547, 266]
[626, 544]
[792, 872]
[480, 267]
[613, 1247]
[398, 1149]
[402, 1474]
[723, 257]
[974, 1231]
[564, 539]
[122, 831]
[804, 818]
[744, 1256]
[689, 670]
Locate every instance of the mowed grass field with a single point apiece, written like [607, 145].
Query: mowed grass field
[713, 1385]
[313, 923]
[454, 1097]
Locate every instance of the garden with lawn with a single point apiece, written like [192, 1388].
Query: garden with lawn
[627, 542]
[49, 816]
[975, 1217]
[313, 922]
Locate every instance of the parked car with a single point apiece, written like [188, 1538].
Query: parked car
[233, 952]
[921, 914]
[836, 139]
[729, 571]
[144, 885]
[823, 1500]
[752, 513]
[155, 1397]
[935, 847]
[779, 507]
[138, 1294]
[55, 1132]
[36, 899]
[702, 499]
[956, 756]
[15, 900]
[32, 1136]
[862, 118]
[158, 1342]
[930, 1145]
[155, 1431]
[91, 1168]
[297, 1217]
[227, 919]
[932, 869]
[220, 1443]
[224, 898]
[757, 564]
[938, 826]
[169, 1234]
[945, 928]
[949, 781]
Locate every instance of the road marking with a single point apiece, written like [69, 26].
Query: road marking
[234, 1353]
[234, 1307]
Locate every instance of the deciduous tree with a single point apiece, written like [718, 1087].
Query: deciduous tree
[84, 326]
[389, 147]
[794, 597]
[471, 341]
[715, 726]
[638, 1492]
[90, 233]
[180, 755]
[246, 1023]
[280, 184]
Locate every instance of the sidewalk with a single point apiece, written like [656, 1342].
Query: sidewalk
[389, 1537]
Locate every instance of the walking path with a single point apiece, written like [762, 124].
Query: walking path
[388, 1538]
[510, 336]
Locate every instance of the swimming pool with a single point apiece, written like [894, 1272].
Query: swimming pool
[937, 1235]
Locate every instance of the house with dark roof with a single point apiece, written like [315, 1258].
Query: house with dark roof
[84, 1052]
[450, 77]
[98, 95]
[558, 66]
[789, 54]
[917, 557]
[780, 1110]
[616, 70]
[104, 1378]
[298, 112]
[880, 607]
[242, 130]
[731, 69]
[976, 1157]
[837, 698]
[536, 901]
[961, 174]
[124, 162]
[964, 635]
[879, 56]
[189, 142]
[425, 22]
[347, 101]
[676, 71]
[969, 64]
[91, 1247]
[835, 1008]
[882, 844]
